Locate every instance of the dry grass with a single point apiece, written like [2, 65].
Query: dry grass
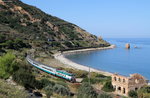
[51, 62]
[10, 91]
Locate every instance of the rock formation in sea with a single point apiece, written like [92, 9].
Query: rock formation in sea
[127, 46]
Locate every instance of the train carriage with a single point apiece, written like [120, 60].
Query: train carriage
[59, 73]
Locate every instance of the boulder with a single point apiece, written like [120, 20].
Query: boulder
[127, 46]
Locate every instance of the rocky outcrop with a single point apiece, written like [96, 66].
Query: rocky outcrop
[127, 46]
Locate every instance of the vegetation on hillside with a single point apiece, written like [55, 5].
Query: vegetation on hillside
[86, 91]
[9, 91]
[40, 30]
[8, 43]
[32, 79]
[108, 87]
[143, 92]
[23, 28]
[24, 75]
[8, 65]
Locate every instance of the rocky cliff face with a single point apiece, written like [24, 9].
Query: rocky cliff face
[19, 20]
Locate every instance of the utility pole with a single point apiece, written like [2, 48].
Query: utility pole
[89, 75]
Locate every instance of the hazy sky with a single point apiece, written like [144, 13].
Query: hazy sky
[106, 18]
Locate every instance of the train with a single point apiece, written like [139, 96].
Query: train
[53, 71]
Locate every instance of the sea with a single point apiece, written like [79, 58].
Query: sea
[119, 60]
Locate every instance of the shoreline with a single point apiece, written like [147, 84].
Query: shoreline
[60, 57]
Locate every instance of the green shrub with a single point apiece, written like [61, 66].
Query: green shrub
[27, 79]
[144, 92]
[60, 89]
[133, 94]
[68, 44]
[108, 87]
[62, 82]
[15, 44]
[55, 44]
[7, 65]
[93, 80]
[86, 91]
[77, 73]
[80, 74]
[45, 82]
[11, 91]
[48, 90]
[98, 75]
[104, 95]
[96, 78]
[2, 38]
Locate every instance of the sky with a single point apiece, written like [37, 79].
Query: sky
[106, 18]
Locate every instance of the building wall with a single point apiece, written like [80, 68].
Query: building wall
[123, 84]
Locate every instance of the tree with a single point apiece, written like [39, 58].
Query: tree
[60, 89]
[86, 91]
[144, 92]
[108, 87]
[104, 95]
[18, 43]
[45, 82]
[133, 94]
[2, 38]
[49, 91]
[27, 79]
[9, 44]
[7, 65]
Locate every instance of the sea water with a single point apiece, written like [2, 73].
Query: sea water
[119, 60]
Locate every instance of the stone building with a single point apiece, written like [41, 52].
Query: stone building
[123, 84]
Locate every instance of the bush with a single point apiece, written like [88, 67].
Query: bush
[62, 82]
[15, 44]
[86, 91]
[45, 82]
[133, 94]
[144, 92]
[11, 91]
[77, 73]
[80, 73]
[60, 89]
[7, 65]
[48, 90]
[2, 38]
[104, 95]
[96, 78]
[68, 44]
[55, 44]
[25, 78]
[108, 87]
[92, 80]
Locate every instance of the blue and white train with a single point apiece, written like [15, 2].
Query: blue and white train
[59, 73]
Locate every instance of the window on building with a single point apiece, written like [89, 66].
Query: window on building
[136, 89]
[115, 79]
[119, 79]
[114, 87]
[119, 89]
[124, 80]
[124, 90]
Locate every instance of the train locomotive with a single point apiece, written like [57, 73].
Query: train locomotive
[59, 73]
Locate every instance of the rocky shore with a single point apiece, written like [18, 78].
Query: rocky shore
[62, 59]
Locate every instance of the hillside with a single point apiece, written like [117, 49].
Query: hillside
[40, 30]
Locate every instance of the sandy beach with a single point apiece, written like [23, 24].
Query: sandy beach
[62, 59]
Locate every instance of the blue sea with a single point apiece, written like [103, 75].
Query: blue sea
[119, 60]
